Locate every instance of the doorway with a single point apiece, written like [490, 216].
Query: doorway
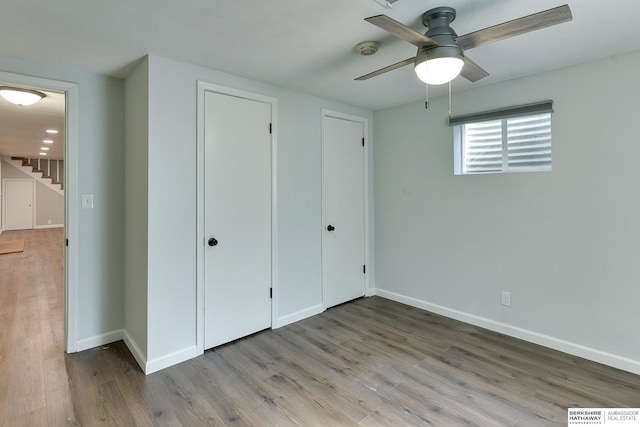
[69, 92]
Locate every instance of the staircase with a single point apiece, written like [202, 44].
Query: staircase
[49, 172]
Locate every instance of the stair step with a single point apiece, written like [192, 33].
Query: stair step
[25, 163]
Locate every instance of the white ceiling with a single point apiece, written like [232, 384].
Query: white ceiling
[24, 128]
[306, 45]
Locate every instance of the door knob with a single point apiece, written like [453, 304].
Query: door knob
[330, 227]
[213, 241]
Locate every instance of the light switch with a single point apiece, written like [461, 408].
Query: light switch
[87, 201]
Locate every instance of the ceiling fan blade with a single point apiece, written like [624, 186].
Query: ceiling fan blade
[516, 27]
[400, 30]
[387, 68]
[472, 71]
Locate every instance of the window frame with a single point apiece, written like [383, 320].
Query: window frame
[504, 115]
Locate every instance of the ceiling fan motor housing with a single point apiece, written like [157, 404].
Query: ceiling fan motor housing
[438, 20]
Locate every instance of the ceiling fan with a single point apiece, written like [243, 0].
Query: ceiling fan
[440, 57]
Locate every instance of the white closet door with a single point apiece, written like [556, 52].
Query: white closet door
[343, 242]
[237, 217]
[18, 204]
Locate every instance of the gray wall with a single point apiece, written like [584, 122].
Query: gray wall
[100, 315]
[565, 243]
[49, 206]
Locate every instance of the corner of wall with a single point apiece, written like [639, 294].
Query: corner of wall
[135, 350]
[158, 363]
[136, 210]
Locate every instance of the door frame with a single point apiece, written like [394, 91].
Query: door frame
[202, 88]
[4, 201]
[326, 113]
[70, 267]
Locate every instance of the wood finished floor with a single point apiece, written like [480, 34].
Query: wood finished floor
[372, 362]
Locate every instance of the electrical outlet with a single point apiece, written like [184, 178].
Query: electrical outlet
[506, 298]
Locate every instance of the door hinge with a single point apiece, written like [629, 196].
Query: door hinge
[363, 141]
[270, 128]
[364, 269]
[271, 293]
[66, 242]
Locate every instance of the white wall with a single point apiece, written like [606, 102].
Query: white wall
[100, 172]
[135, 214]
[565, 243]
[172, 239]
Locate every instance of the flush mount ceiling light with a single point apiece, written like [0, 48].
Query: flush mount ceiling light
[20, 96]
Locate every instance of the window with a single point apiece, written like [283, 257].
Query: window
[516, 139]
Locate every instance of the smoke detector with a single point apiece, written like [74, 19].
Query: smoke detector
[367, 48]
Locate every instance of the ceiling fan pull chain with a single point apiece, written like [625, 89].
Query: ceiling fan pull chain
[426, 99]
[450, 100]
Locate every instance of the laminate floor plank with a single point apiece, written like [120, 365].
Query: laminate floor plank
[254, 394]
[440, 403]
[330, 394]
[253, 361]
[601, 380]
[302, 405]
[60, 411]
[289, 352]
[512, 387]
[35, 418]
[369, 362]
[34, 387]
[188, 405]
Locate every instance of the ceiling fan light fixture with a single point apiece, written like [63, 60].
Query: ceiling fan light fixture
[439, 65]
[20, 96]
[439, 70]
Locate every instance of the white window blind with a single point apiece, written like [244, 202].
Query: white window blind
[529, 142]
[509, 140]
[482, 147]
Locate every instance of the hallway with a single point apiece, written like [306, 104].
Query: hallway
[34, 387]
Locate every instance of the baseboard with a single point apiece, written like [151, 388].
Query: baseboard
[298, 315]
[40, 227]
[135, 350]
[159, 363]
[170, 359]
[98, 340]
[589, 353]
